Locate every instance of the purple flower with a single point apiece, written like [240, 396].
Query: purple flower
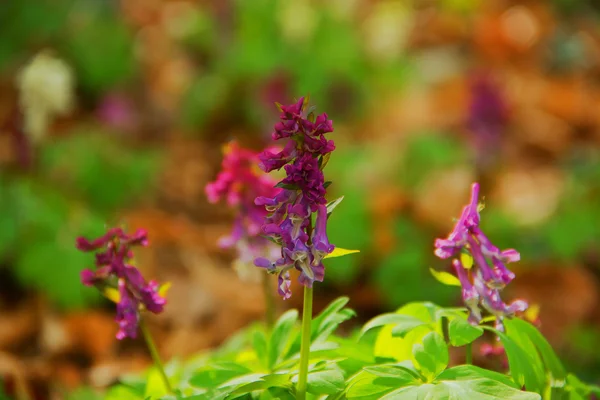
[248, 191]
[320, 242]
[128, 316]
[112, 265]
[488, 117]
[290, 220]
[481, 285]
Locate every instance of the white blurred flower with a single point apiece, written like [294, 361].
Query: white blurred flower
[45, 90]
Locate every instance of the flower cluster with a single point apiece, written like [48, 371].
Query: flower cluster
[290, 221]
[239, 183]
[113, 268]
[481, 283]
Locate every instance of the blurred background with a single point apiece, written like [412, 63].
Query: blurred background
[115, 111]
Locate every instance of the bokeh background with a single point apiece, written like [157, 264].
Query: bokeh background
[115, 111]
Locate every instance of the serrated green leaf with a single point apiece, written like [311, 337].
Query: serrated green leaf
[462, 372]
[265, 382]
[328, 381]
[461, 332]
[472, 389]
[402, 323]
[404, 371]
[432, 355]
[217, 373]
[366, 386]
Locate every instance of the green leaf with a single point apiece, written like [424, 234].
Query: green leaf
[402, 323]
[472, 389]
[551, 360]
[259, 343]
[328, 381]
[404, 371]
[217, 373]
[445, 278]
[324, 160]
[525, 369]
[280, 337]
[461, 332]
[366, 386]
[333, 204]
[110, 60]
[155, 386]
[330, 318]
[265, 382]
[432, 355]
[462, 372]
[123, 392]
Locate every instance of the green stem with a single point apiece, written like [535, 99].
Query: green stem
[154, 353]
[469, 354]
[269, 301]
[305, 345]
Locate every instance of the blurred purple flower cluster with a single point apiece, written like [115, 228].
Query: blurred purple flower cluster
[481, 282]
[290, 221]
[238, 183]
[113, 256]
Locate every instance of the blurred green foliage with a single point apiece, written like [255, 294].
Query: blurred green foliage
[84, 178]
[315, 52]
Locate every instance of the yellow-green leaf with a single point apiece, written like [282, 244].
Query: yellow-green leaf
[164, 288]
[112, 294]
[155, 386]
[339, 252]
[445, 277]
[466, 260]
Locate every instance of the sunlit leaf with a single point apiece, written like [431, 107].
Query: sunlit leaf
[466, 260]
[445, 278]
[112, 294]
[339, 252]
[461, 332]
[164, 288]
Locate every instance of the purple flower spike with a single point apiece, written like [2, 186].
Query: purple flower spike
[135, 293]
[128, 316]
[489, 274]
[252, 195]
[290, 219]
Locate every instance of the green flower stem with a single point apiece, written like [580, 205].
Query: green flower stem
[305, 345]
[269, 301]
[154, 353]
[469, 354]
